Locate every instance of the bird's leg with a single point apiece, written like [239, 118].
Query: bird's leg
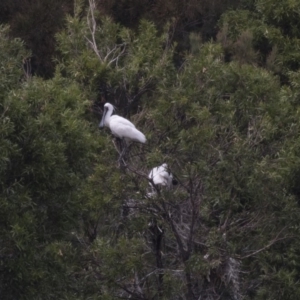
[117, 144]
[124, 150]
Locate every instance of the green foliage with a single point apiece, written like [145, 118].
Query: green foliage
[227, 131]
[273, 27]
[283, 14]
[225, 128]
[47, 151]
[117, 62]
[11, 65]
[36, 24]
[77, 225]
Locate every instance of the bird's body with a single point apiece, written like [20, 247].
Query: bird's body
[121, 128]
[161, 176]
[124, 129]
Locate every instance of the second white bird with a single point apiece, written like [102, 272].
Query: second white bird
[161, 176]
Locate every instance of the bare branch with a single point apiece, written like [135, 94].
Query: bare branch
[92, 26]
[275, 240]
[109, 55]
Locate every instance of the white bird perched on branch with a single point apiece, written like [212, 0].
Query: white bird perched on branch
[161, 176]
[121, 128]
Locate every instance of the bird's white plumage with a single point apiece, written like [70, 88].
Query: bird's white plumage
[121, 127]
[161, 176]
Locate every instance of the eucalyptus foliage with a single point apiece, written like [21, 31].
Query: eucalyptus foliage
[270, 29]
[227, 131]
[47, 151]
[77, 225]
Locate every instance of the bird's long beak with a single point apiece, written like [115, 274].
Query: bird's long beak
[101, 124]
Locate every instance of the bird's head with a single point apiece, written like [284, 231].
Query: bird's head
[107, 110]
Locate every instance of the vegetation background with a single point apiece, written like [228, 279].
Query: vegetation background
[214, 86]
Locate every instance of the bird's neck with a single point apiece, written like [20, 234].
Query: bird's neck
[107, 117]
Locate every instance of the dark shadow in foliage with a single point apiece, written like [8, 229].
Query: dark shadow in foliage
[37, 22]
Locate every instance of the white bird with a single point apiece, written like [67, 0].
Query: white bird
[121, 128]
[161, 176]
